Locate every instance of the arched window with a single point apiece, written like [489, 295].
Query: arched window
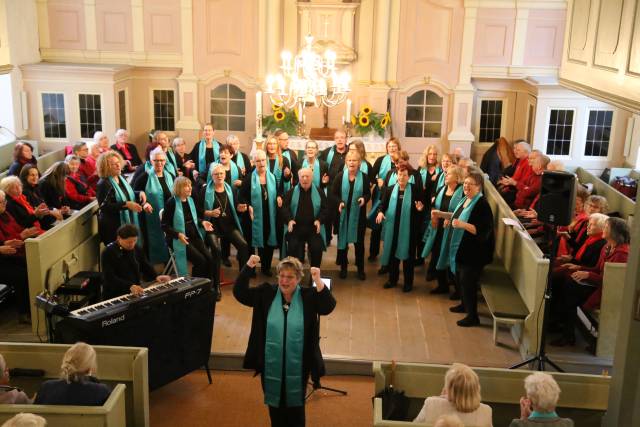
[424, 115]
[228, 108]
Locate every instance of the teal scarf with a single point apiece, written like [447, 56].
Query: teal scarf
[385, 167]
[275, 351]
[209, 195]
[155, 196]
[394, 178]
[440, 183]
[257, 240]
[202, 154]
[402, 247]
[233, 168]
[330, 154]
[348, 230]
[126, 216]
[148, 167]
[317, 179]
[240, 160]
[179, 248]
[451, 244]
[277, 170]
[172, 163]
[430, 233]
[315, 201]
[424, 174]
[539, 415]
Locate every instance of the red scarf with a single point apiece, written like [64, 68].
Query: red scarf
[590, 241]
[22, 201]
[125, 151]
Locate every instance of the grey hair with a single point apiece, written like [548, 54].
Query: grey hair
[304, 170]
[98, 136]
[25, 419]
[543, 391]
[525, 145]
[71, 157]
[619, 230]
[313, 141]
[231, 138]
[154, 153]
[9, 181]
[600, 219]
[177, 140]
[255, 154]
[120, 132]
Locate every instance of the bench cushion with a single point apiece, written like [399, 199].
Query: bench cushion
[501, 295]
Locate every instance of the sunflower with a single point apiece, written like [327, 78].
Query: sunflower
[354, 120]
[366, 110]
[279, 115]
[385, 120]
[276, 107]
[364, 120]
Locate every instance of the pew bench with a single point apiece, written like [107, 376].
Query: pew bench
[111, 414]
[584, 397]
[502, 298]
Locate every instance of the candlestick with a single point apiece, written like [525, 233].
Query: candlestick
[258, 114]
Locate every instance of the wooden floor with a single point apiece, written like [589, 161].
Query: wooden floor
[372, 323]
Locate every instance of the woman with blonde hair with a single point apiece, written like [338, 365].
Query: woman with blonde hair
[76, 385]
[539, 406]
[430, 171]
[460, 396]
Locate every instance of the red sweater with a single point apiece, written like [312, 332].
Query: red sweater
[10, 230]
[527, 189]
[522, 170]
[88, 171]
[619, 254]
[73, 193]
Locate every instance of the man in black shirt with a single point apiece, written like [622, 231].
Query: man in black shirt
[304, 218]
[124, 264]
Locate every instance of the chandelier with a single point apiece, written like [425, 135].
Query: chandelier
[308, 79]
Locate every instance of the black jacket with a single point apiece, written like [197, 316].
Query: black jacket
[122, 269]
[84, 393]
[260, 298]
[133, 151]
[477, 250]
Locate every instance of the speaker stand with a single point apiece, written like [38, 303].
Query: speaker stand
[541, 359]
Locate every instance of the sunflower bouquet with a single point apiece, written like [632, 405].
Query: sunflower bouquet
[284, 119]
[367, 121]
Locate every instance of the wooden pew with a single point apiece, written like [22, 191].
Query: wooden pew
[516, 280]
[618, 202]
[116, 365]
[73, 242]
[499, 387]
[44, 161]
[111, 414]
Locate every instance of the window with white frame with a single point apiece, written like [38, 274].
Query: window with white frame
[164, 110]
[53, 116]
[423, 118]
[559, 132]
[122, 109]
[598, 133]
[228, 105]
[490, 127]
[90, 114]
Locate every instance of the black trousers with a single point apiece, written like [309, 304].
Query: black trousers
[266, 256]
[298, 239]
[571, 295]
[444, 279]
[343, 254]
[407, 269]
[206, 262]
[374, 241]
[467, 277]
[287, 417]
[234, 237]
[14, 274]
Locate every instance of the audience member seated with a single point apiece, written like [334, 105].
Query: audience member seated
[22, 154]
[186, 166]
[528, 188]
[87, 167]
[584, 286]
[589, 253]
[539, 406]
[576, 233]
[18, 205]
[101, 140]
[10, 395]
[497, 158]
[507, 184]
[129, 152]
[460, 397]
[12, 256]
[25, 419]
[76, 385]
[52, 186]
[77, 191]
[30, 176]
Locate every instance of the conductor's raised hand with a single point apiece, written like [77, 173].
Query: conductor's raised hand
[253, 261]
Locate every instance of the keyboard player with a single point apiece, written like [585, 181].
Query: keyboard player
[124, 265]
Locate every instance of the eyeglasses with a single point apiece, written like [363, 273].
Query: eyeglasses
[159, 161]
[219, 173]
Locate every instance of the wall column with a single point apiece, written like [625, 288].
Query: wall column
[188, 124]
[137, 28]
[379, 88]
[273, 36]
[461, 135]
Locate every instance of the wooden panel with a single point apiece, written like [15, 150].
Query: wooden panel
[579, 28]
[66, 24]
[162, 31]
[222, 34]
[608, 41]
[114, 25]
[545, 34]
[634, 51]
[494, 37]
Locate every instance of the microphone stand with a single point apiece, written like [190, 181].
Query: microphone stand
[100, 206]
[10, 131]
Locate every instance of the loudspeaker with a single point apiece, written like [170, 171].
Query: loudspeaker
[557, 198]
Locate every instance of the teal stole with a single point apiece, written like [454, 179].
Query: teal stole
[543, 415]
[276, 352]
[155, 196]
[315, 201]
[385, 167]
[364, 168]
[179, 248]
[348, 229]
[402, 247]
[317, 180]
[257, 240]
[430, 233]
[233, 168]
[424, 174]
[240, 160]
[452, 237]
[126, 216]
[332, 151]
[172, 163]
[148, 168]
[202, 154]
[277, 170]
[440, 183]
[210, 194]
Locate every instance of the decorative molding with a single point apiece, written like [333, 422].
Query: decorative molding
[610, 98]
[607, 35]
[512, 72]
[43, 24]
[517, 4]
[633, 64]
[6, 69]
[579, 54]
[146, 59]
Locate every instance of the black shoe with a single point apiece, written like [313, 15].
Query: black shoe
[343, 272]
[407, 288]
[469, 321]
[457, 309]
[219, 296]
[372, 258]
[389, 285]
[382, 271]
[361, 275]
[455, 296]
[439, 290]
[564, 341]
[226, 262]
